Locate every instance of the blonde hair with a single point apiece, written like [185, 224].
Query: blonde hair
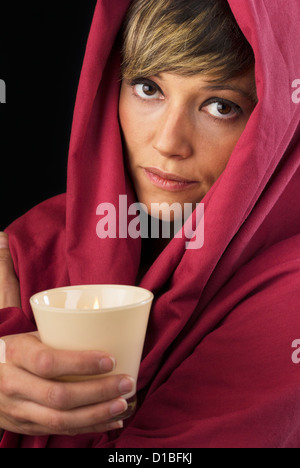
[185, 37]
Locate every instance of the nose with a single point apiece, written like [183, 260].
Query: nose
[173, 135]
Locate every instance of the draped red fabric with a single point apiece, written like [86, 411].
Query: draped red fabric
[217, 368]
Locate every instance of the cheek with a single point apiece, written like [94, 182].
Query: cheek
[136, 123]
[130, 123]
[125, 118]
[131, 130]
[215, 150]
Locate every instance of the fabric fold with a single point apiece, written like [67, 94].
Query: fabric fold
[217, 368]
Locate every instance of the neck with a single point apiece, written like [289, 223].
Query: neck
[152, 247]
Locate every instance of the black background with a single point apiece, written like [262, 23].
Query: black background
[42, 46]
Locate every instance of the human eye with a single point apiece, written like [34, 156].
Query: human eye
[146, 89]
[221, 109]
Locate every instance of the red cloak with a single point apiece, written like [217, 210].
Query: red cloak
[217, 369]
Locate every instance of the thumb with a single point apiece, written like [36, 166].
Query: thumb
[9, 285]
[3, 240]
[5, 257]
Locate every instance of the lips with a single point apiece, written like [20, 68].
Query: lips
[168, 181]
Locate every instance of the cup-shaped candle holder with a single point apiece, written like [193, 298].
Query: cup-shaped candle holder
[108, 318]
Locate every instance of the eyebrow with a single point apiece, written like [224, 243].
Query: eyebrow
[251, 95]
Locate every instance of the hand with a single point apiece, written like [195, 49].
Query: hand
[33, 403]
[9, 285]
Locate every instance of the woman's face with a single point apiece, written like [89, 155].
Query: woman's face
[179, 133]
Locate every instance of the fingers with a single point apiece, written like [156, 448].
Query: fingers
[27, 352]
[73, 422]
[31, 403]
[48, 411]
[64, 396]
[22, 426]
[9, 285]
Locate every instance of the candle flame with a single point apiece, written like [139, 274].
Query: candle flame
[96, 304]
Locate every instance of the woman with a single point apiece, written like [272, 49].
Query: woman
[217, 368]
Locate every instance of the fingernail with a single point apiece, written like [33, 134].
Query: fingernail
[115, 425]
[126, 385]
[118, 407]
[3, 241]
[107, 364]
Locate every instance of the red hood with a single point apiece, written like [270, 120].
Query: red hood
[252, 228]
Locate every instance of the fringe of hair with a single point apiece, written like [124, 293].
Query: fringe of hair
[185, 37]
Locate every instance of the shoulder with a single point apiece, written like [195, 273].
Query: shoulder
[261, 318]
[39, 217]
[272, 275]
[37, 243]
